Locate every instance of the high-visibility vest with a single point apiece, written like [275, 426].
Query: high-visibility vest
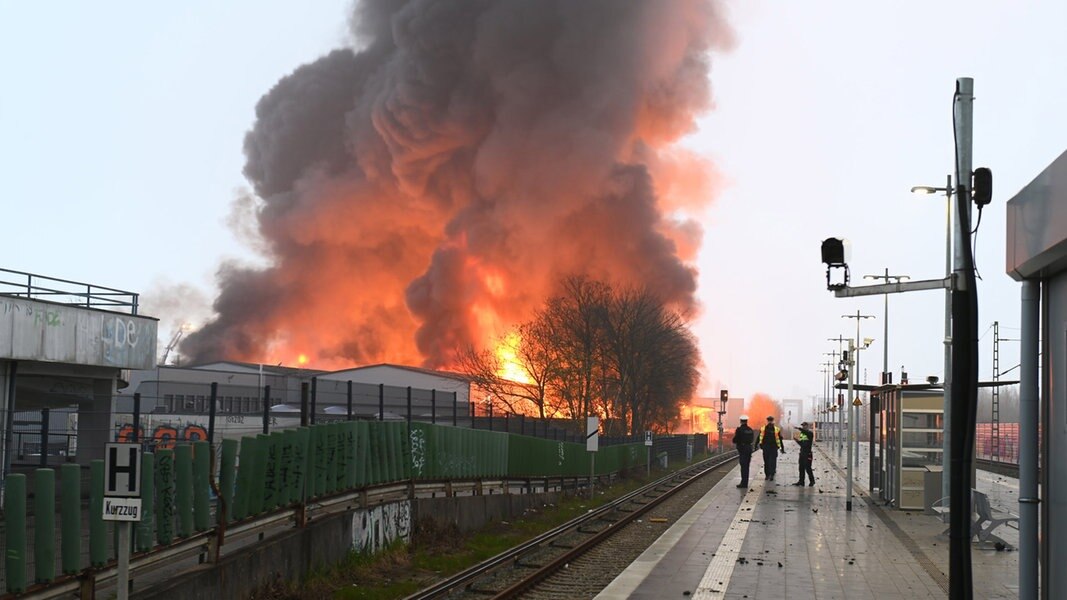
[777, 436]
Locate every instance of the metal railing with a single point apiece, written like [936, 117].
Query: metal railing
[64, 291]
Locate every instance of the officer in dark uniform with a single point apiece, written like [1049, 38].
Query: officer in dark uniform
[804, 436]
[744, 439]
[770, 440]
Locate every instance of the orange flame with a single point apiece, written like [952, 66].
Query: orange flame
[507, 354]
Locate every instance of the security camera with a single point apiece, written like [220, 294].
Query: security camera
[867, 342]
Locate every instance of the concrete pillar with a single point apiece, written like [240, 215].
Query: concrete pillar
[95, 421]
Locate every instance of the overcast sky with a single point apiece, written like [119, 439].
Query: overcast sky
[121, 126]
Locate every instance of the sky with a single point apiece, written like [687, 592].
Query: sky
[121, 128]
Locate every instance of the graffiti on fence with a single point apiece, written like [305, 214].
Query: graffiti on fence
[163, 431]
[162, 436]
[375, 528]
[418, 452]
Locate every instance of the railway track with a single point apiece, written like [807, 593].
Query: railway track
[580, 557]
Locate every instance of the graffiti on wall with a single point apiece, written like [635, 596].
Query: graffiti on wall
[163, 431]
[162, 436]
[375, 528]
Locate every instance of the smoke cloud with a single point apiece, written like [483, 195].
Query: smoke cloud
[429, 188]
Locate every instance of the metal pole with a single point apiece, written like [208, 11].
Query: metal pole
[266, 410]
[964, 352]
[348, 397]
[44, 433]
[1028, 442]
[851, 376]
[314, 398]
[946, 387]
[211, 413]
[122, 578]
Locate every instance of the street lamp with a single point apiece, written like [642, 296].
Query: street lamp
[946, 386]
[853, 412]
[885, 321]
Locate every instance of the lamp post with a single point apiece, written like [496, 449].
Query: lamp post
[946, 386]
[840, 339]
[830, 397]
[853, 411]
[885, 320]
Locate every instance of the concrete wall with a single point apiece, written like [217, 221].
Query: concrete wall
[291, 555]
[47, 332]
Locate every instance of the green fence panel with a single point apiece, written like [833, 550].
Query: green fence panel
[351, 466]
[15, 523]
[331, 458]
[269, 451]
[165, 496]
[299, 464]
[386, 473]
[257, 499]
[201, 485]
[341, 477]
[71, 518]
[227, 479]
[183, 470]
[246, 467]
[287, 475]
[143, 528]
[315, 452]
[362, 454]
[374, 452]
[44, 525]
[403, 451]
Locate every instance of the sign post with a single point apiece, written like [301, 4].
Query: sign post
[592, 426]
[648, 444]
[724, 398]
[122, 503]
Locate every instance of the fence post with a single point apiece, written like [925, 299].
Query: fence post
[137, 418]
[433, 406]
[211, 413]
[314, 397]
[266, 409]
[44, 437]
[409, 410]
[349, 397]
[490, 416]
[304, 397]
[381, 401]
[455, 407]
[44, 525]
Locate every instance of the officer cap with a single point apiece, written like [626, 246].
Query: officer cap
[744, 417]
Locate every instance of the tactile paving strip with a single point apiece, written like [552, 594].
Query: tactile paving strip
[717, 577]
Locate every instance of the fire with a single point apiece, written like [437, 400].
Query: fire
[302, 360]
[507, 355]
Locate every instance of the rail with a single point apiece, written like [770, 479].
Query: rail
[467, 577]
[64, 291]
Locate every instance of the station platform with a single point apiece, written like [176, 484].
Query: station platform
[774, 540]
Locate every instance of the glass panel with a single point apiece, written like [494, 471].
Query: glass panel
[918, 458]
[918, 440]
[922, 421]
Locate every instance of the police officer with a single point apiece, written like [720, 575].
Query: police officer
[744, 436]
[770, 440]
[805, 437]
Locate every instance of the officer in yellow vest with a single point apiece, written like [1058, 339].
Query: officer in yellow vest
[770, 440]
[805, 437]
